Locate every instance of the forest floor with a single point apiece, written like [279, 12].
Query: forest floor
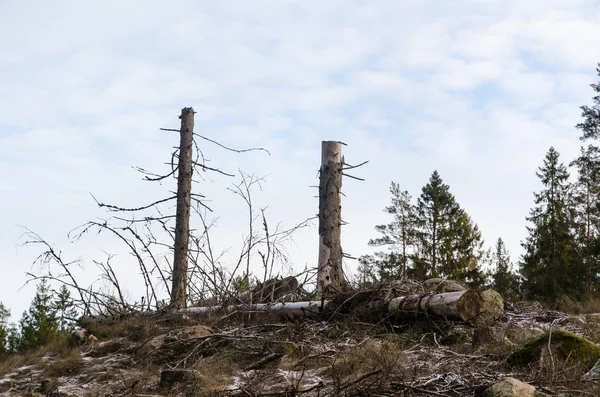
[264, 355]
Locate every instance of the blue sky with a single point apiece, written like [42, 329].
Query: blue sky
[478, 90]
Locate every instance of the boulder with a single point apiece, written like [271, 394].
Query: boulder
[194, 331]
[519, 334]
[563, 345]
[150, 346]
[91, 340]
[180, 334]
[78, 335]
[440, 285]
[509, 387]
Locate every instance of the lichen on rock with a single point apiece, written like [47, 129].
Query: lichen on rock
[563, 344]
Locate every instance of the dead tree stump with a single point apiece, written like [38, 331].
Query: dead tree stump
[330, 278]
[182, 217]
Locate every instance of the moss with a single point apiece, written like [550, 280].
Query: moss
[564, 344]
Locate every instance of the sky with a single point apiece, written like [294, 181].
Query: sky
[476, 89]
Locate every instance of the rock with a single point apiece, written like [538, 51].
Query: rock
[563, 345]
[194, 331]
[172, 377]
[402, 288]
[150, 346]
[509, 387]
[519, 334]
[78, 335]
[91, 340]
[181, 334]
[440, 285]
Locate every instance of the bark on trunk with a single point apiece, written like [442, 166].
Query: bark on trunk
[300, 309]
[481, 308]
[330, 277]
[182, 220]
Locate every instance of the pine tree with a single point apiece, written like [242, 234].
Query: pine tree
[39, 325]
[503, 278]
[450, 243]
[398, 236]
[551, 263]
[590, 126]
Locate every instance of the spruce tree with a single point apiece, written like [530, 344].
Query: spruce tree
[435, 206]
[504, 280]
[64, 309]
[398, 236]
[39, 325]
[450, 243]
[551, 264]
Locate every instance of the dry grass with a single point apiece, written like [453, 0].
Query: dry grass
[135, 329]
[570, 305]
[350, 357]
[65, 365]
[217, 370]
[59, 347]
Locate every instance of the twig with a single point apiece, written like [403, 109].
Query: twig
[360, 379]
[353, 177]
[264, 360]
[115, 208]
[349, 167]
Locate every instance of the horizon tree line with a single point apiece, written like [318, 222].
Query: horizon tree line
[435, 237]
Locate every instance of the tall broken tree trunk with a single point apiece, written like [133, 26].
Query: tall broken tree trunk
[330, 277]
[182, 219]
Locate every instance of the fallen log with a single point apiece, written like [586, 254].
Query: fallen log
[297, 309]
[300, 309]
[473, 306]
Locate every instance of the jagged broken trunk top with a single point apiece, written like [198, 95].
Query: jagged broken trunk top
[330, 278]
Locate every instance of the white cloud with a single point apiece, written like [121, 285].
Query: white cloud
[476, 89]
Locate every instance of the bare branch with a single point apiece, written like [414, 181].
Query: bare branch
[353, 177]
[114, 208]
[230, 149]
[349, 167]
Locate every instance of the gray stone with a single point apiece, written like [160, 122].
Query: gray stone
[509, 387]
[440, 285]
